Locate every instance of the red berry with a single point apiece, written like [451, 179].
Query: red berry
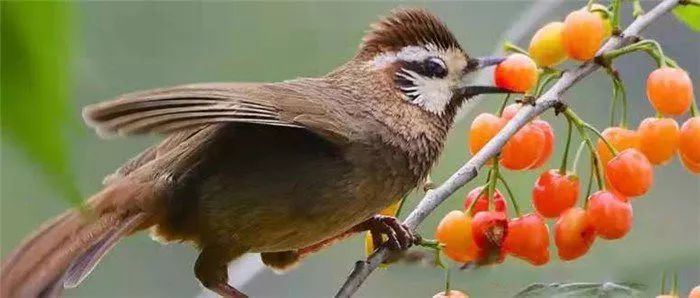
[524, 148]
[455, 232]
[659, 138]
[629, 173]
[528, 239]
[611, 215]
[482, 204]
[670, 90]
[451, 294]
[554, 193]
[489, 229]
[573, 234]
[517, 73]
[582, 35]
[483, 128]
[548, 145]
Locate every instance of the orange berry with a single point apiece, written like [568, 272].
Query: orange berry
[607, 25]
[629, 173]
[620, 139]
[670, 90]
[659, 138]
[689, 165]
[695, 292]
[582, 35]
[517, 73]
[548, 145]
[483, 129]
[524, 148]
[573, 234]
[510, 110]
[689, 143]
[451, 294]
[554, 193]
[528, 239]
[455, 232]
[482, 204]
[546, 46]
[610, 215]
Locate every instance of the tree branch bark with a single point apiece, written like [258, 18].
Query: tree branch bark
[469, 170]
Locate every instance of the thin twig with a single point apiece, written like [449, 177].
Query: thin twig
[468, 171]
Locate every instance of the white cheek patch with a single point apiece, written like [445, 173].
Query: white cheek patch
[410, 53]
[431, 94]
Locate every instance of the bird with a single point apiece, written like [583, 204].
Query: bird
[283, 169]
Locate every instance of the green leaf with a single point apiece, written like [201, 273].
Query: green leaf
[608, 289]
[34, 82]
[690, 15]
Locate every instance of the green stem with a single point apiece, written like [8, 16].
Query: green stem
[492, 183]
[663, 282]
[509, 47]
[694, 109]
[513, 201]
[637, 11]
[597, 166]
[615, 20]
[481, 193]
[600, 136]
[690, 2]
[429, 243]
[504, 103]
[580, 126]
[674, 290]
[589, 187]
[613, 105]
[623, 95]
[590, 4]
[447, 282]
[545, 78]
[578, 156]
[565, 158]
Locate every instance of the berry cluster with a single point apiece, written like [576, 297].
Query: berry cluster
[621, 160]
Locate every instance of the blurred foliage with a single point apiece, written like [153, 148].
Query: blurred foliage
[556, 290]
[34, 87]
[690, 15]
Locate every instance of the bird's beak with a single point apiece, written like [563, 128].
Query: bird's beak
[474, 64]
[481, 62]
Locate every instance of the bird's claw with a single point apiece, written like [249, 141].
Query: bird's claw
[399, 235]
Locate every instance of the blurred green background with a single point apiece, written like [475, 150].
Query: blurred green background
[97, 50]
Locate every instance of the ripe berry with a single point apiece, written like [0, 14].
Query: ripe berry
[517, 73]
[554, 193]
[620, 138]
[482, 204]
[548, 145]
[689, 143]
[546, 46]
[629, 173]
[659, 138]
[510, 110]
[689, 165]
[582, 35]
[489, 229]
[611, 215]
[451, 294]
[484, 127]
[670, 90]
[573, 234]
[528, 239]
[524, 148]
[607, 25]
[695, 292]
[455, 232]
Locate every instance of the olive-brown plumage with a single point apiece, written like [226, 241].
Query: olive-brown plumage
[283, 169]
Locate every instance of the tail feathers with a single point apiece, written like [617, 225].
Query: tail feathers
[66, 249]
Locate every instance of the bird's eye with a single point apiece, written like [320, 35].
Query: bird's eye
[435, 67]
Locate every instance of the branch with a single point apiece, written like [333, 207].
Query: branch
[469, 170]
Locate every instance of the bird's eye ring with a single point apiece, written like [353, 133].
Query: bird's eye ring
[435, 67]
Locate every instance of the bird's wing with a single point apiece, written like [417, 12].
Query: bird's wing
[304, 103]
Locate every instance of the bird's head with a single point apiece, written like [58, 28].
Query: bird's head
[423, 60]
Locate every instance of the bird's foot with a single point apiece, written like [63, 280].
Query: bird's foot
[399, 235]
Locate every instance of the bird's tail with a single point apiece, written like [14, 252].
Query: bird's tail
[64, 250]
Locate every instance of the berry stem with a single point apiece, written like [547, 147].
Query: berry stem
[547, 76]
[600, 136]
[674, 290]
[513, 201]
[590, 4]
[580, 125]
[447, 281]
[492, 184]
[650, 46]
[618, 91]
[589, 187]
[663, 282]
[694, 109]
[562, 168]
[509, 47]
[615, 19]
[481, 193]
[637, 11]
[578, 156]
[504, 103]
